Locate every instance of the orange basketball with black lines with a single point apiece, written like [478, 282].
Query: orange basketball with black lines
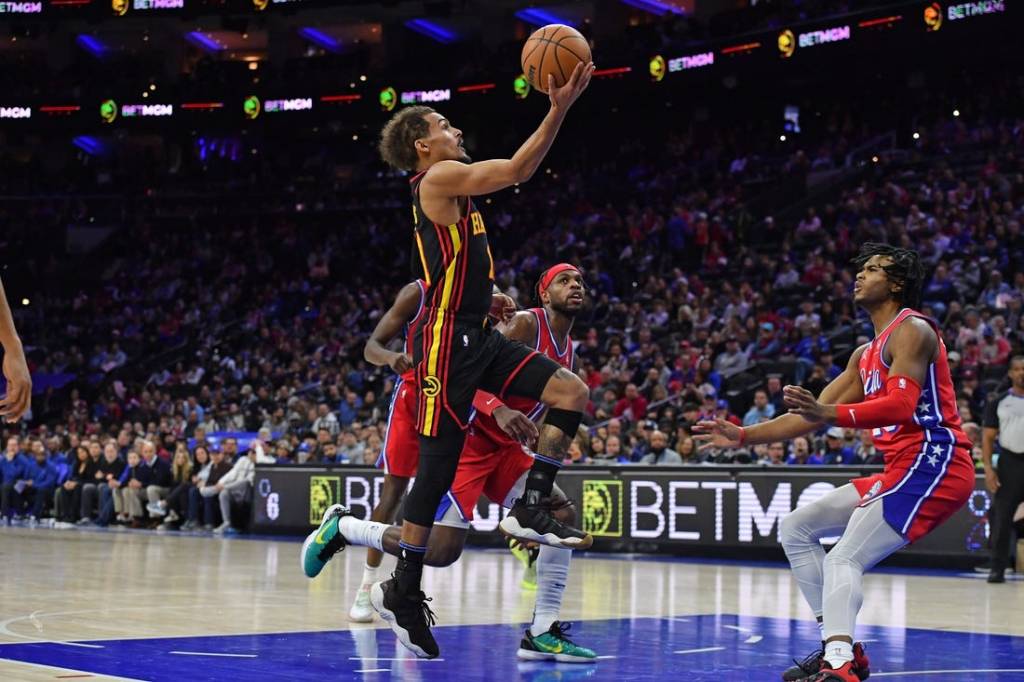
[555, 49]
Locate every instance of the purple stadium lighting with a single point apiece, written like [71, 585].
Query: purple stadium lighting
[93, 45]
[318, 37]
[431, 30]
[654, 7]
[542, 17]
[202, 41]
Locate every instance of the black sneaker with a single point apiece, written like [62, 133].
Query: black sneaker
[534, 523]
[811, 665]
[996, 576]
[408, 615]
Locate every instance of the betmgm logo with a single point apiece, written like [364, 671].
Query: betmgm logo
[323, 492]
[602, 508]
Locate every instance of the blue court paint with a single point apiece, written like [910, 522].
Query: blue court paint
[709, 647]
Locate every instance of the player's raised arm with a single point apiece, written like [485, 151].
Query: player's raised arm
[457, 179]
[389, 326]
[912, 346]
[19, 382]
[720, 433]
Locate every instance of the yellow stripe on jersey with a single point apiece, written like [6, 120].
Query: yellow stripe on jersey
[436, 334]
[423, 256]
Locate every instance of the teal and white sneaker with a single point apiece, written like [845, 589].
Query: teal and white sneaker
[324, 542]
[554, 645]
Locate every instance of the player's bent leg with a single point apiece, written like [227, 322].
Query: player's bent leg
[400, 601]
[385, 511]
[530, 518]
[547, 637]
[868, 539]
[324, 542]
[800, 534]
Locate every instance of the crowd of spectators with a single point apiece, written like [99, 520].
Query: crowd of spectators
[231, 319]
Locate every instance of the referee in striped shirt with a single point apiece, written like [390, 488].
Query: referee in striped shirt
[1004, 421]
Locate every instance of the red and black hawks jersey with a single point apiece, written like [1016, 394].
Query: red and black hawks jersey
[454, 260]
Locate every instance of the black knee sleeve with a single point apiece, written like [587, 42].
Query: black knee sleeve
[566, 420]
[439, 458]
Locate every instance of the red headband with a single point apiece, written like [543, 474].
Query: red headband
[553, 272]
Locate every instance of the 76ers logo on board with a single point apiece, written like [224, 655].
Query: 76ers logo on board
[431, 386]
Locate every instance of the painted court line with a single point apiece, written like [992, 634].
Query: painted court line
[753, 639]
[949, 672]
[411, 658]
[737, 628]
[373, 670]
[208, 653]
[700, 651]
[604, 657]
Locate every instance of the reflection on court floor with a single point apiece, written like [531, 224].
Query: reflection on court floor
[150, 606]
[707, 647]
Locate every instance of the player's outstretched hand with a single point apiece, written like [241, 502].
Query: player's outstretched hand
[516, 424]
[802, 402]
[716, 434]
[563, 97]
[15, 404]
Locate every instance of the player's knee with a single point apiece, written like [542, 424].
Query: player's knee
[840, 558]
[566, 391]
[577, 393]
[789, 531]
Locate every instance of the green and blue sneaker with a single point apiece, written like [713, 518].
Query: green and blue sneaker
[554, 645]
[324, 542]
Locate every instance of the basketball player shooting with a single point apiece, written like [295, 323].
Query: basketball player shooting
[899, 386]
[494, 463]
[455, 352]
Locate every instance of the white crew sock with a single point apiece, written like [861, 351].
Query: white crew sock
[363, 533]
[370, 574]
[837, 653]
[552, 574]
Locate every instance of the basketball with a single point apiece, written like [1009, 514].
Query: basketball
[555, 49]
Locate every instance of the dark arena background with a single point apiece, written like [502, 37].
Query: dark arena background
[198, 236]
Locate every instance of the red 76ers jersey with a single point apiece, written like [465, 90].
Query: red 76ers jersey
[936, 420]
[546, 344]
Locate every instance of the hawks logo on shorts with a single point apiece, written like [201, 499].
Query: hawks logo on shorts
[431, 386]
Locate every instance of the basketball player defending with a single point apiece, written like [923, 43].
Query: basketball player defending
[495, 463]
[899, 386]
[400, 454]
[455, 352]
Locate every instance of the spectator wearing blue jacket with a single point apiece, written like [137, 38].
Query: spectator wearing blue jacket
[13, 470]
[42, 479]
[835, 451]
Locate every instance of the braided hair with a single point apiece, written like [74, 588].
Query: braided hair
[905, 269]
